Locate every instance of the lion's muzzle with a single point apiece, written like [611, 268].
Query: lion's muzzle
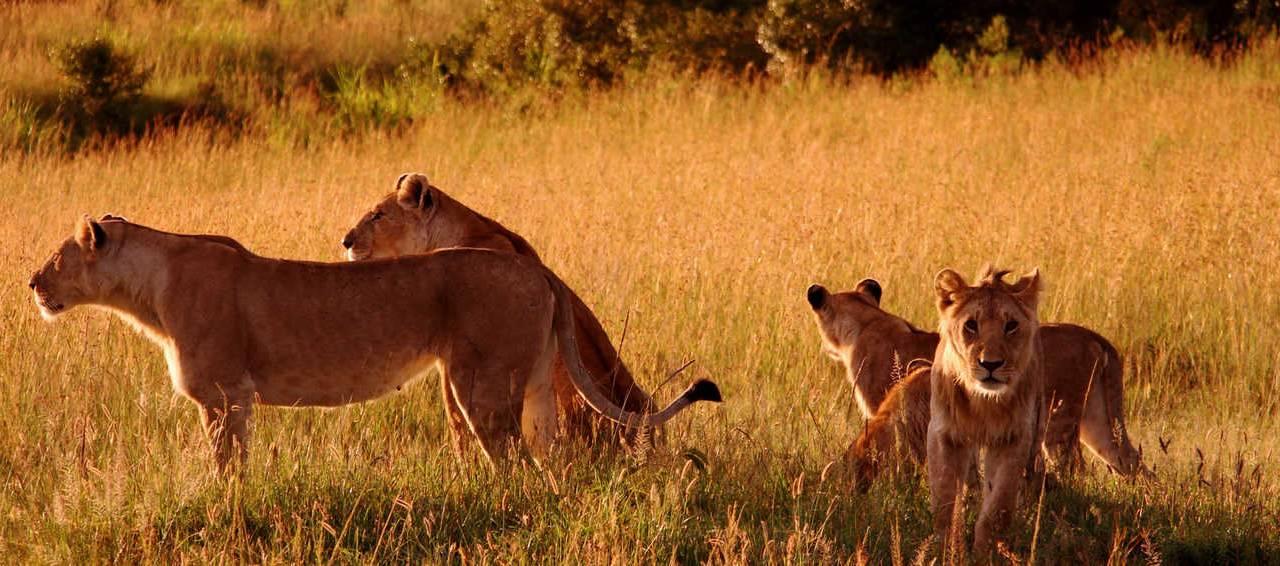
[44, 300]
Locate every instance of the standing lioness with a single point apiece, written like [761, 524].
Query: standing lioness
[239, 329]
[418, 218]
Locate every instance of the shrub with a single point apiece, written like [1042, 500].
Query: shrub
[880, 35]
[1205, 24]
[104, 81]
[566, 43]
[886, 36]
[702, 35]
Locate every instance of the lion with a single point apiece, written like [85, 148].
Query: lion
[1084, 381]
[895, 435]
[417, 217]
[986, 392]
[240, 330]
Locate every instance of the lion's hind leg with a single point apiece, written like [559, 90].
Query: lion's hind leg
[1108, 439]
[1102, 426]
[489, 393]
[538, 419]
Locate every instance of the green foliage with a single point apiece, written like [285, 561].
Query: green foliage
[991, 56]
[563, 43]
[1203, 24]
[548, 43]
[701, 35]
[887, 36]
[304, 70]
[995, 39]
[944, 65]
[362, 103]
[23, 127]
[104, 80]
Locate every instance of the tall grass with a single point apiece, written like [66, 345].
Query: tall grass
[1144, 186]
[281, 70]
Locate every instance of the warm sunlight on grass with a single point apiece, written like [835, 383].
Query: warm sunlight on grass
[1145, 186]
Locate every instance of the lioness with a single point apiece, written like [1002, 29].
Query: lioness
[986, 393]
[239, 329]
[418, 218]
[895, 435]
[1084, 381]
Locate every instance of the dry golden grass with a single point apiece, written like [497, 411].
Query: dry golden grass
[1144, 186]
[212, 39]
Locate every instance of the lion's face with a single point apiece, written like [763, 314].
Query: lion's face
[398, 225]
[841, 316]
[989, 330]
[71, 276]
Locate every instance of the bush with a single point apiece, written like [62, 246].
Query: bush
[566, 43]
[886, 36]
[104, 81]
[1206, 24]
[703, 35]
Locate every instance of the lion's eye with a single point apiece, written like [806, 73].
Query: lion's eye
[1010, 327]
[376, 215]
[971, 325]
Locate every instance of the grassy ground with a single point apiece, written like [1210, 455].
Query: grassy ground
[285, 71]
[1145, 186]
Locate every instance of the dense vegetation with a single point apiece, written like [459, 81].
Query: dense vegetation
[295, 70]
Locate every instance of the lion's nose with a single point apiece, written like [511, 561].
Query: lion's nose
[991, 365]
[348, 241]
[32, 282]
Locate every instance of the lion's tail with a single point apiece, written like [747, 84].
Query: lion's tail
[563, 327]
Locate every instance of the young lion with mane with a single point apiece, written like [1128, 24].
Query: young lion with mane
[1084, 385]
[986, 394]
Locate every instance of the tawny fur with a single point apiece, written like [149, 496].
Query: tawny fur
[978, 407]
[240, 330]
[895, 435]
[419, 218]
[1084, 380]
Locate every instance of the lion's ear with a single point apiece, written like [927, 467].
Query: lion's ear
[947, 284]
[1027, 289]
[413, 191]
[870, 288]
[817, 296]
[90, 235]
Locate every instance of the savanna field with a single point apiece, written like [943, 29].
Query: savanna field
[691, 212]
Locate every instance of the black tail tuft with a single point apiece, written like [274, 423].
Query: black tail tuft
[703, 390]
